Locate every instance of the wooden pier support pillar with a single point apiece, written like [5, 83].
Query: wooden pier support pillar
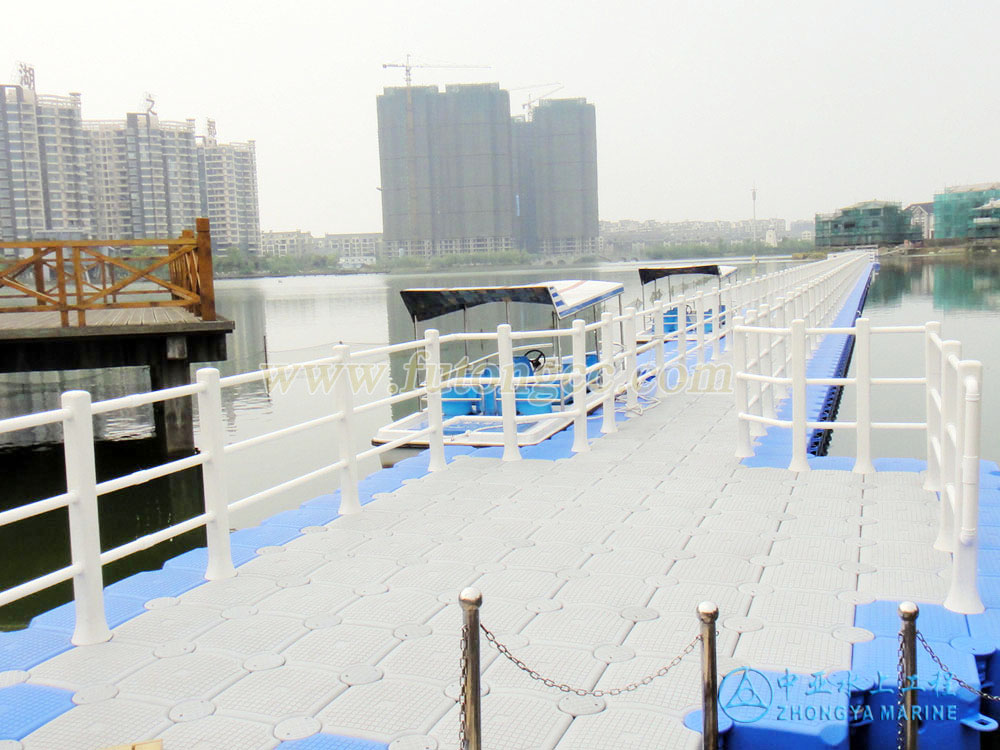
[173, 418]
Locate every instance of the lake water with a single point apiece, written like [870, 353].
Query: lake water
[965, 297]
[300, 318]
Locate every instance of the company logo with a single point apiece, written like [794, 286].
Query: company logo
[745, 695]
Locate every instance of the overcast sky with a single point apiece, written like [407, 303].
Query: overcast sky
[821, 103]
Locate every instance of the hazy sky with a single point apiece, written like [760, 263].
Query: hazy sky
[821, 103]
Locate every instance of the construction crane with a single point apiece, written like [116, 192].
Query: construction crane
[408, 68]
[411, 137]
[532, 102]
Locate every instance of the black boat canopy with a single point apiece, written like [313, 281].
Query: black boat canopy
[566, 297]
[712, 269]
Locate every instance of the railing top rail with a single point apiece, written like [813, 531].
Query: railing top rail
[27, 421]
[142, 399]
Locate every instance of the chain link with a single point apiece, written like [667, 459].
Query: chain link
[959, 681]
[461, 688]
[502, 648]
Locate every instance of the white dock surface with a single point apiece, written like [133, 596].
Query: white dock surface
[591, 568]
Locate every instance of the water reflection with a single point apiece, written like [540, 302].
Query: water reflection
[965, 296]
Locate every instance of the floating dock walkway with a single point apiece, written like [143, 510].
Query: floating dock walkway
[343, 631]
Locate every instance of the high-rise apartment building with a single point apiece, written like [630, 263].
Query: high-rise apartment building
[44, 171]
[22, 206]
[459, 175]
[229, 191]
[146, 173]
[63, 150]
[163, 179]
[556, 165]
[447, 169]
[109, 168]
[64, 177]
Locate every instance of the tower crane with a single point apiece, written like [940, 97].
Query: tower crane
[408, 68]
[532, 101]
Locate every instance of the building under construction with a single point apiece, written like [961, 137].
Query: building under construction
[964, 211]
[460, 176]
[556, 173]
[866, 223]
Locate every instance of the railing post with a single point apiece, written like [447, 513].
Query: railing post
[632, 383]
[722, 328]
[744, 448]
[863, 376]
[608, 373]
[682, 336]
[211, 443]
[766, 345]
[932, 374]
[580, 443]
[949, 490]
[349, 501]
[508, 396]
[755, 400]
[435, 409]
[716, 320]
[660, 337]
[699, 316]
[779, 344]
[471, 600]
[908, 612]
[708, 614]
[84, 525]
[799, 461]
[206, 282]
[963, 595]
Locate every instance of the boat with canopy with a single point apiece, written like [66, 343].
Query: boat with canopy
[473, 412]
[670, 316]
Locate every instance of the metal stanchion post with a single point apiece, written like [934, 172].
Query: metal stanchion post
[708, 613]
[471, 600]
[908, 612]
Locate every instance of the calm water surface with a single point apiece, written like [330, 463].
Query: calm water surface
[965, 297]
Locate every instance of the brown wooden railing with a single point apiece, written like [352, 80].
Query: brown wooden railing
[79, 276]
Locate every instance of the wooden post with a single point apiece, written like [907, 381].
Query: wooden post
[81, 313]
[39, 268]
[206, 286]
[61, 285]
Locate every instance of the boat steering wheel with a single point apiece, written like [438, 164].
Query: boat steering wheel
[537, 361]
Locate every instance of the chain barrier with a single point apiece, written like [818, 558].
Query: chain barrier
[958, 680]
[548, 682]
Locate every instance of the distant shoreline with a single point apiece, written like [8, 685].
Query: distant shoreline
[426, 270]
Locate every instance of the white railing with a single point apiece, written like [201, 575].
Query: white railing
[622, 368]
[952, 420]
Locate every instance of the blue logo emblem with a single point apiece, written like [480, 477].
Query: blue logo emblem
[745, 695]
